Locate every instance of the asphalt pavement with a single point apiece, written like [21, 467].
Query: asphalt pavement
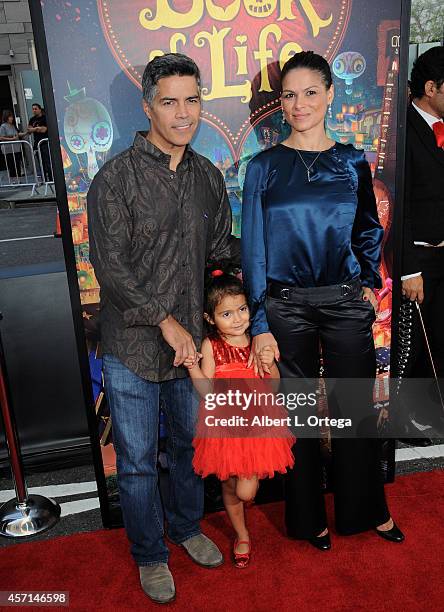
[27, 235]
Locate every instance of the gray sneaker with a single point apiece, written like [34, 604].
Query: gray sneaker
[157, 582]
[203, 551]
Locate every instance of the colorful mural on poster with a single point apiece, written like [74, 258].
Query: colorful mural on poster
[98, 50]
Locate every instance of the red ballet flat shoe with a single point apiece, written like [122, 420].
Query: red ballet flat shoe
[241, 560]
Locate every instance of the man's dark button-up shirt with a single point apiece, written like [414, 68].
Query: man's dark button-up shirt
[152, 232]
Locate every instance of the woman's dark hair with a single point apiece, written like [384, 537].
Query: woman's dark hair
[427, 67]
[312, 61]
[6, 114]
[219, 282]
[163, 66]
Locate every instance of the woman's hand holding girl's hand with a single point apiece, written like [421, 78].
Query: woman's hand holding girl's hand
[368, 295]
[260, 342]
[266, 357]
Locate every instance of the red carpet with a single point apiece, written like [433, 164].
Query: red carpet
[360, 573]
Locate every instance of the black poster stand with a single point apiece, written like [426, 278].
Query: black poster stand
[398, 211]
[68, 249]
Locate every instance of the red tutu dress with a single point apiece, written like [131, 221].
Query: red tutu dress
[239, 456]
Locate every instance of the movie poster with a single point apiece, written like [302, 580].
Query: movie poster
[98, 51]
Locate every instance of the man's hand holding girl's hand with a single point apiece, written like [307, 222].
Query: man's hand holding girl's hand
[179, 339]
[190, 361]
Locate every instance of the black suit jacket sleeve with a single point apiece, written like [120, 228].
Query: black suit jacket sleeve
[424, 191]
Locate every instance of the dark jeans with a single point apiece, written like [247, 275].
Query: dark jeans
[342, 330]
[14, 164]
[134, 405]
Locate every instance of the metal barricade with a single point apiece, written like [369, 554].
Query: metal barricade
[18, 155]
[45, 169]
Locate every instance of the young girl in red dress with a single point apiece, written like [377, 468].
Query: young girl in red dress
[239, 462]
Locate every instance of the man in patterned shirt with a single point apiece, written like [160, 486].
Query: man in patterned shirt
[158, 213]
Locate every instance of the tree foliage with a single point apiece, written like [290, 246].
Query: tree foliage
[427, 21]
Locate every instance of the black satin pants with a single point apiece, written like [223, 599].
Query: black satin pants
[342, 330]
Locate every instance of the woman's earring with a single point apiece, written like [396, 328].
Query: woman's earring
[329, 111]
[283, 119]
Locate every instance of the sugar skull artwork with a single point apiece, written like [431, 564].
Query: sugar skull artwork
[349, 66]
[88, 128]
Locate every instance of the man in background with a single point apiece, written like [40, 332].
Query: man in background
[423, 246]
[38, 128]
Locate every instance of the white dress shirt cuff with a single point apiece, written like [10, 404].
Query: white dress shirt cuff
[407, 276]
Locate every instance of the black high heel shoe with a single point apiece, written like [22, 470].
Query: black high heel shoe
[321, 542]
[392, 535]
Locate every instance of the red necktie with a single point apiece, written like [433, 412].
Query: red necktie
[438, 128]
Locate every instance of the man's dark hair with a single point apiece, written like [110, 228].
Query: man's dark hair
[427, 67]
[163, 66]
[312, 61]
[38, 105]
[6, 114]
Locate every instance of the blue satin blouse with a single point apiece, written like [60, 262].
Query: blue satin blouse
[308, 234]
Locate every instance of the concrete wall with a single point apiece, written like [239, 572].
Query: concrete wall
[15, 31]
[15, 34]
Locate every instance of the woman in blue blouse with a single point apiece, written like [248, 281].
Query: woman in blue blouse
[311, 248]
